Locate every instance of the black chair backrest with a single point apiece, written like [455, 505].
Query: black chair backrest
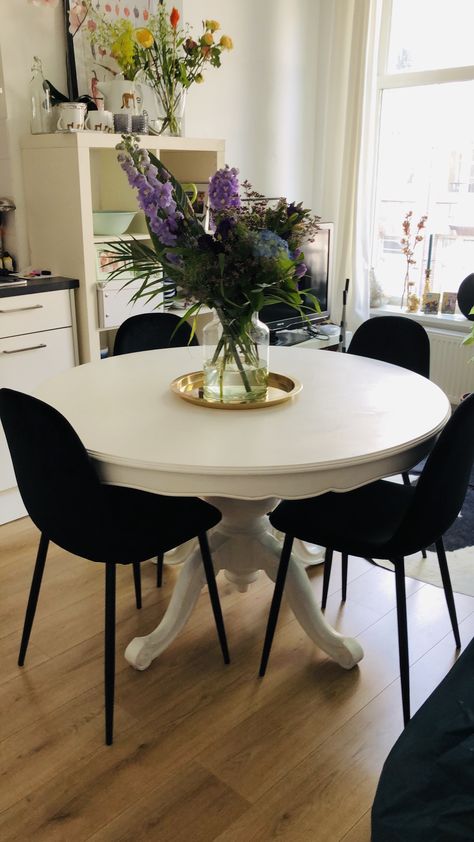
[393, 339]
[150, 331]
[442, 486]
[57, 481]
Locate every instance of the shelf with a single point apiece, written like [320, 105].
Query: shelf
[115, 238]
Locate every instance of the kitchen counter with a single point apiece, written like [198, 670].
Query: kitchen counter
[45, 283]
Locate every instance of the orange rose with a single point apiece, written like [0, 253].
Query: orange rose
[207, 39]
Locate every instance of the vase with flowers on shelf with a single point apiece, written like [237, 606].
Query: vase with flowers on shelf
[162, 55]
[249, 256]
[409, 243]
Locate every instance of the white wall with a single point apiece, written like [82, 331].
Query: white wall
[262, 98]
[25, 31]
[261, 101]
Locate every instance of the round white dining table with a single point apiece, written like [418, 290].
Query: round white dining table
[355, 420]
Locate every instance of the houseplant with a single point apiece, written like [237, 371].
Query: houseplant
[409, 243]
[251, 257]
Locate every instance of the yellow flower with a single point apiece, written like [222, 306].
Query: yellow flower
[144, 38]
[207, 39]
[212, 25]
[199, 78]
[226, 42]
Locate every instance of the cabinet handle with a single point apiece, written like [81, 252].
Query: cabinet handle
[18, 309]
[30, 348]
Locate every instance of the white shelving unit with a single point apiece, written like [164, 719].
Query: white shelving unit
[67, 177]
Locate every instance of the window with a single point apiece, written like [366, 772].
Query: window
[426, 145]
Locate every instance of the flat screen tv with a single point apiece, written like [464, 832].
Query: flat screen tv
[318, 259]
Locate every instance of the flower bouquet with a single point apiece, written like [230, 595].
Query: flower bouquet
[162, 55]
[250, 257]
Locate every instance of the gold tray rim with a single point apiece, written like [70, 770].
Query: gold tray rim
[289, 386]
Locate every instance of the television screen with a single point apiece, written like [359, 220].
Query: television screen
[317, 281]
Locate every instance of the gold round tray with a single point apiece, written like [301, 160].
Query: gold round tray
[280, 389]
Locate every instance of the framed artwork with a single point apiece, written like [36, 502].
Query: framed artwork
[88, 65]
[448, 302]
[107, 262]
[430, 303]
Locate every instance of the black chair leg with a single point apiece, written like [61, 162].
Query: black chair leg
[159, 569]
[448, 590]
[399, 564]
[137, 581]
[33, 597]
[109, 659]
[326, 576]
[406, 478]
[423, 554]
[214, 594]
[344, 575]
[276, 602]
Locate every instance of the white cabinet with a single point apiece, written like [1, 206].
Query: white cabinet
[67, 177]
[37, 340]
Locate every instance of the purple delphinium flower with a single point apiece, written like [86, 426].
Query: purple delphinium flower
[155, 197]
[224, 189]
[300, 270]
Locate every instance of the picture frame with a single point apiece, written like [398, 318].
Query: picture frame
[198, 194]
[86, 68]
[448, 303]
[107, 262]
[430, 304]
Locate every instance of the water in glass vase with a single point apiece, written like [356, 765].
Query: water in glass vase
[235, 360]
[227, 383]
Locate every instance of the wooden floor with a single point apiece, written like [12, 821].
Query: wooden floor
[202, 752]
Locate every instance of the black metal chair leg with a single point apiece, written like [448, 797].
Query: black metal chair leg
[448, 590]
[137, 581]
[109, 652]
[326, 576]
[276, 602]
[33, 597]
[344, 575]
[423, 554]
[159, 569]
[399, 564]
[406, 478]
[214, 594]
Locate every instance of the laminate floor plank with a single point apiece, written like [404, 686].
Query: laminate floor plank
[203, 751]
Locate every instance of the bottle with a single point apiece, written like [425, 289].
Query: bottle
[40, 101]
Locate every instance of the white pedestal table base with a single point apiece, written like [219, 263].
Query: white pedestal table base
[241, 545]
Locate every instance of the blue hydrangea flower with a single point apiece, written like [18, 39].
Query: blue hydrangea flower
[267, 244]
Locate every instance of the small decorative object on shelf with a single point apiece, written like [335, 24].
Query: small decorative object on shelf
[160, 54]
[413, 303]
[41, 113]
[431, 303]
[409, 243]
[448, 303]
[251, 257]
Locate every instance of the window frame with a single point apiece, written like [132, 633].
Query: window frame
[390, 81]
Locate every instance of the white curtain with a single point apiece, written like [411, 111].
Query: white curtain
[345, 146]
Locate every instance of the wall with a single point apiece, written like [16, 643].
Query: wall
[25, 31]
[262, 98]
[261, 101]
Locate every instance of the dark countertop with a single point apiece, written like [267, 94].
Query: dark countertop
[45, 283]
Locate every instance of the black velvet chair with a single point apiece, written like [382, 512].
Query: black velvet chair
[400, 341]
[103, 523]
[149, 332]
[388, 521]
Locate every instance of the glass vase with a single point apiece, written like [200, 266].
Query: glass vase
[170, 104]
[235, 362]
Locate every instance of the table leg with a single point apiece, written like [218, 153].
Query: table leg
[241, 545]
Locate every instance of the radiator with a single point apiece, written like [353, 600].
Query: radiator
[450, 366]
